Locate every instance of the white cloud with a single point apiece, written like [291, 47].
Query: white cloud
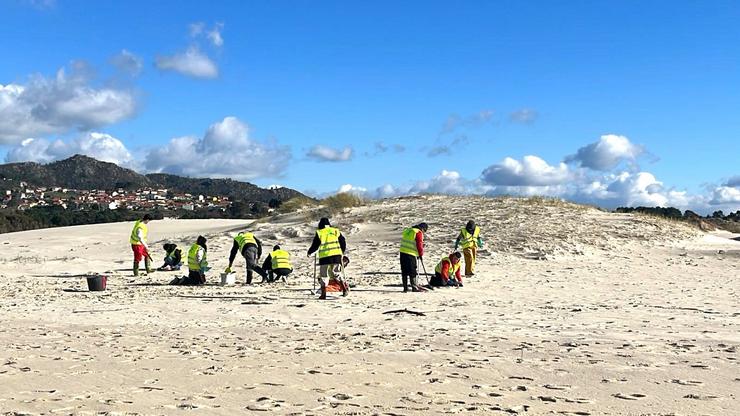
[350, 189]
[607, 153]
[128, 62]
[192, 63]
[100, 146]
[722, 195]
[524, 116]
[60, 104]
[328, 154]
[224, 151]
[214, 35]
[530, 171]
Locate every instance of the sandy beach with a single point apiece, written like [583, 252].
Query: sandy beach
[573, 311]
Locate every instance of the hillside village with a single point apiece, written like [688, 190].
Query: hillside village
[23, 197]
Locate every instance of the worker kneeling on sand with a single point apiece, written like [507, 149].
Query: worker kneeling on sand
[331, 246]
[172, 257]
[277, 264]
[197, 265]
[412, 249]
[470, 241]
[447, 272]
[138, 244]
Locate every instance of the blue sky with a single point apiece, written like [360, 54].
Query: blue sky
[612, 103]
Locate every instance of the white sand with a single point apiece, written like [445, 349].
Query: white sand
[621, 314]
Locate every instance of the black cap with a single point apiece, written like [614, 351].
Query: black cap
[324, 222]
[276, 247]
[147, 217]
[423, 226]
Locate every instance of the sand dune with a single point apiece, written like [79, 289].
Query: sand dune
[573, 311]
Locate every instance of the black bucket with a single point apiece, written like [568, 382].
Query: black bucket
[97, 283]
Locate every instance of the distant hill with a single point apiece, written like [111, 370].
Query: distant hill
[83, 172]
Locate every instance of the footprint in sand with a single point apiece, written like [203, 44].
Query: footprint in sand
[265, 404]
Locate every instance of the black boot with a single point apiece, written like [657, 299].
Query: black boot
[405, 280]
[414, 288]
[249, 277]
[136, 268]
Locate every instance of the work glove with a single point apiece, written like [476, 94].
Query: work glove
[455, 248]
[228, 270]
[480, 242]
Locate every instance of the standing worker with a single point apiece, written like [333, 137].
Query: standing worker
[447, 272]
[331, 246]
[138, 244]
[251, 249]
[469, 239]
[277, 264]
[412, 248]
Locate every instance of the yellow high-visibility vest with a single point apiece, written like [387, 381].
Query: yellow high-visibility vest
[330, 246]
[454, 267]
[193, 263]
[469, 240]
[138, 225]
[245, 238]
[408, 241]
[280, 260]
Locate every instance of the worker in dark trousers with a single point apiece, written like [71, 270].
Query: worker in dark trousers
[412, 249]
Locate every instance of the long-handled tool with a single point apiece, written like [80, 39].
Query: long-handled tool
[429, 283]
[344, 277]
[313, 291]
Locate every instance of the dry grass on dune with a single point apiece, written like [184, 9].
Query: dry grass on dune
[533, 227]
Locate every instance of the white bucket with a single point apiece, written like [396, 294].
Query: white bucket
[228, 278]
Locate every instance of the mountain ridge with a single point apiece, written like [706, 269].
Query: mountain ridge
[85, 173]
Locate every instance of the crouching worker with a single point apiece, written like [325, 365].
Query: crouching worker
[250, 248]
[172, 257]
[277, 265]
[197, 265]
[447, 272]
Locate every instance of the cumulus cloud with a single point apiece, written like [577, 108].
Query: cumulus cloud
[191, 63]
[607, 153]
[722, 195]
[328, 154]
[224, 151]
[733, 182]
[530, 171]
[523, 116]
[447, 182]
[127, 62]
[60, 104]
[100, 146]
